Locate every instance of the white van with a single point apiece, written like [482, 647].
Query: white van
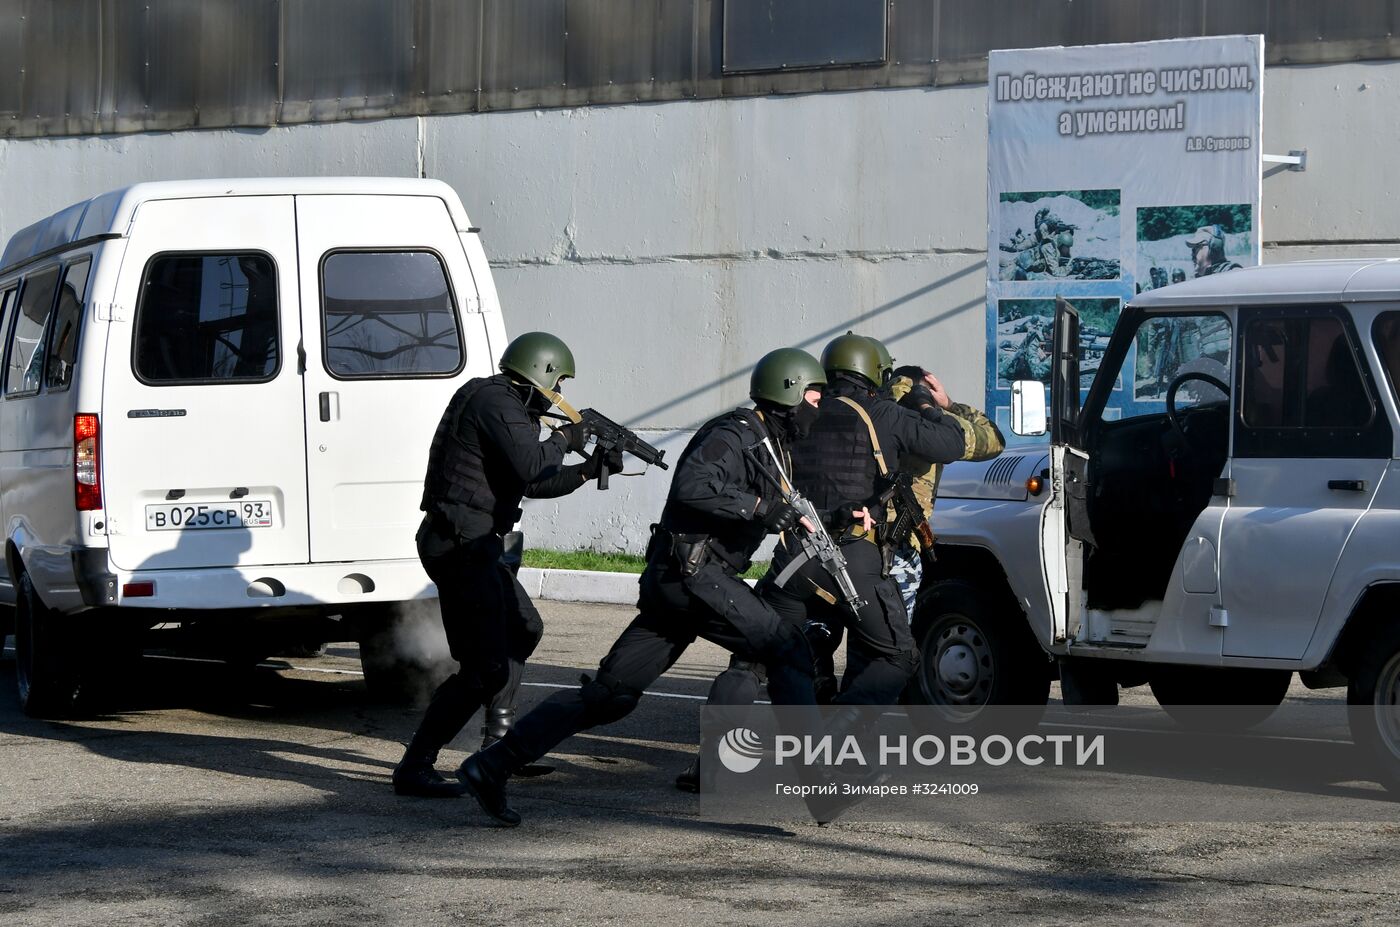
[218, 397]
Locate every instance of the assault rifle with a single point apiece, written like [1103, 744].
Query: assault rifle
[609, 436]
[908, 513]
[817, 544]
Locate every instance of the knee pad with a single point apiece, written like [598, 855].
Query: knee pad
[606, 700]
[750, 667]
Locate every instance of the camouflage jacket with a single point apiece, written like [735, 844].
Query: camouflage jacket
[984, 441]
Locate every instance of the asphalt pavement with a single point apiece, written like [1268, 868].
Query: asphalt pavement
[206, 796]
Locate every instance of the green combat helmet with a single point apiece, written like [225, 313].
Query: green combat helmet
[782, 376]
[852, 354]
[538, 358]
[886, 360]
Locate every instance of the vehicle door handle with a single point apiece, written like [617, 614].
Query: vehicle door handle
[1347, 485]
[330, 406]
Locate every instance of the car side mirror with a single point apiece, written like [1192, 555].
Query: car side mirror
[1028, 410]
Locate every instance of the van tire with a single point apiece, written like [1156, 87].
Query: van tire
[47, 674]
[1375, 685]
[973, 654]
[1251, 694]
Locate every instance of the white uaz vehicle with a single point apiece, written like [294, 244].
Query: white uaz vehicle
[218, 397]
[1248, 530]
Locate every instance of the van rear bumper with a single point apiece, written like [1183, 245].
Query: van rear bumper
[294, 585]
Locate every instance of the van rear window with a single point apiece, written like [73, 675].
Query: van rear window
[388, 314]
[207, 318]
[25, 370]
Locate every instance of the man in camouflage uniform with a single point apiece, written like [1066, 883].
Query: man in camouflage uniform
[1207, 246]
[987, 442]
[1031, 359]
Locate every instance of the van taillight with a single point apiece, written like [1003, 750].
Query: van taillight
[86, 489]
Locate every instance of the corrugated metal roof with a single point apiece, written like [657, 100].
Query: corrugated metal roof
[73, 67]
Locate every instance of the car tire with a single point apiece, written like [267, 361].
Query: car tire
[1373, 695]
[47, 673]
[972, 654]
[1244, 697]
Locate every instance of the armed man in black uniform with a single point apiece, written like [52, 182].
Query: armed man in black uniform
[840, 466]
[485, 456]
[721, 506]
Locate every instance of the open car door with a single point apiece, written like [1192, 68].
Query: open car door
[1064, 526]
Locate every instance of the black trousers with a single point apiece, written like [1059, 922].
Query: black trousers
[492, 629]
[881, 653]
[672, 612]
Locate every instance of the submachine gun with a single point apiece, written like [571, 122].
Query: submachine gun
[608, 436]
[817, 544]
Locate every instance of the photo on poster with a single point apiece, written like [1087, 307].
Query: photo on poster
[1176, 243]
[1169, 347]
[1065, 235]
[1024, 329]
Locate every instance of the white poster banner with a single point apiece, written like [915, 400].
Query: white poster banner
[1114, 169]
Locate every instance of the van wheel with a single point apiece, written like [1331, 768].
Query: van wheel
[46, 673]
[1238, 698]
[1374, 693]
[972, 655]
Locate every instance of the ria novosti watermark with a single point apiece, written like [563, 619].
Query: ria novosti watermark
[763, 763]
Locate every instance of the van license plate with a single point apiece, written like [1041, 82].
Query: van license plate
[246, 513]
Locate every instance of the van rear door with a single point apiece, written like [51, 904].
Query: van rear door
[391, 318]
[202, 433]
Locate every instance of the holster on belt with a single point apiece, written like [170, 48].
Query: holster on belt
[689, 552]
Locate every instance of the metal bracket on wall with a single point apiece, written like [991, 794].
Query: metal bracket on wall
[1297, 159]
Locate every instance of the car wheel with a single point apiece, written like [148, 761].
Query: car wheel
[1374, 694]
[972, 655]
[1236, 698]
[47, 675]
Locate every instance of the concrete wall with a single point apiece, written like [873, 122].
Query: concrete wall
[673, 244]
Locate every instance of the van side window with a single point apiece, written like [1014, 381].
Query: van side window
[1303, 392]
[25, 371]
[388, 314]
[7, 311]
[207, 318]
[1386, 333]
[67, 319]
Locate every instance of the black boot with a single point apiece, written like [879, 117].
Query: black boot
[483, 776]
[416, 776]
[689, 781]
[495, 725]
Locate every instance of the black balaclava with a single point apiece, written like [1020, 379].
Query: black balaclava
[792, 422]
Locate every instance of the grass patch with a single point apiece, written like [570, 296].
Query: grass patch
[604, 562]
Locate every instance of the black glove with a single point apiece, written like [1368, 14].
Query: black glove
[777, 515]
[576, 435]
[919, 395]
[593, 466]
[843, 516]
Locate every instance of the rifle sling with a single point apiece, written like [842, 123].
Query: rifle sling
[869, 426]
[563, 404]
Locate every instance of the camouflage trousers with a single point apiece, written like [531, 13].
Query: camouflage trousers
[907, 571]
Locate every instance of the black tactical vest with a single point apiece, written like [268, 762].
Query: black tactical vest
[835, 463]
[455, 473]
